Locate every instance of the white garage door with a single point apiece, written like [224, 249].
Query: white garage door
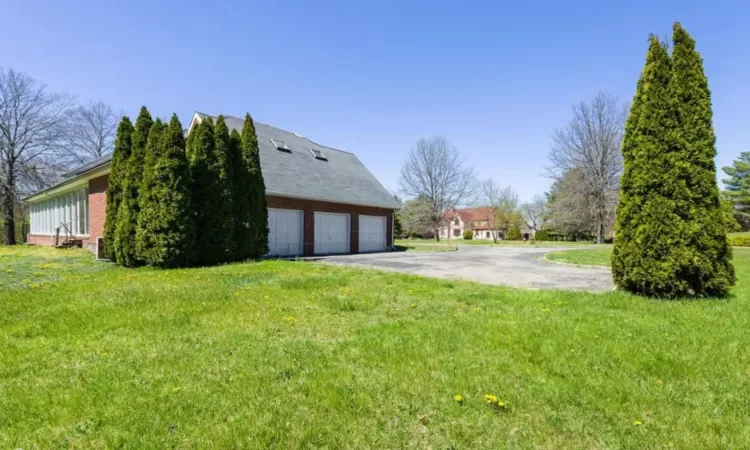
[285, 232]
[331, 233]
[372, 234]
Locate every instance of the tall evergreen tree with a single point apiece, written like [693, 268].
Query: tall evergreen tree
[127, 215]
[258, 206]
[223, 161]
[706, 267]
[671, 235]
[117, 171]
[212, 230]
[648, 228]
[243, 236]
[166, 228]
[738, 186]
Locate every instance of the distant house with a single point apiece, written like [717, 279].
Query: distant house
[320, 200]
[480, 221]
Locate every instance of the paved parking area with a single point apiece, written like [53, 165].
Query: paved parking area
[512, 266]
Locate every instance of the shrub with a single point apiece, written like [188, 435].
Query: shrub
[468, 235]
[513, 234]
[542, 235]
[739, 241]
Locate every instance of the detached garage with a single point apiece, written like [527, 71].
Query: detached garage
[321, 200]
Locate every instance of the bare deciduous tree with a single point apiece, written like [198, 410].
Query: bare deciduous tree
[437, 173]
[535, 212]
[591, 144]
[33, 124]
[500, 205]
[92, 132]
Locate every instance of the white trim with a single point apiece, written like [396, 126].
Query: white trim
[299, 197]
[77, 182]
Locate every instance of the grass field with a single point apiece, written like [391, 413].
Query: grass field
[414, 242]
[285, 354]
[600, 255]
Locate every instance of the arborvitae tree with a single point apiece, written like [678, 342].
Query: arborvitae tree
[738, 186]
[256, 190]
[117, 171]
[647, 222]
[212, 230]
[224, 204]
[127, 215]
[166, 227]
[706, 266]
[243, 235]
[662, 246]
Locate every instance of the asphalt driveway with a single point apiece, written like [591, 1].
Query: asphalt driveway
[511, 266]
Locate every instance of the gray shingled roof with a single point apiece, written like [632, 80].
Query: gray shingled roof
[341, 179]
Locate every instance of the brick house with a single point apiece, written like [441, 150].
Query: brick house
[320, 200]
[480, 221]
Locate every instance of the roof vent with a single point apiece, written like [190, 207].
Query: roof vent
[280, 145]
[318, 154]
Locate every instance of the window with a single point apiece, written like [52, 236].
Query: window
[318, 154]
[281, 145]
[456, 232]
[487, 235]
[70, 209]
[457, 221]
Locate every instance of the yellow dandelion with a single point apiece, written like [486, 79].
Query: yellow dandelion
[638, 423]
[458, 398]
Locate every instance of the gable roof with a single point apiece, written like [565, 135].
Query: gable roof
[341, 179]
[297, 174]
[469, 215]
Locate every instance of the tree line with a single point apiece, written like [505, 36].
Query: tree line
[43, 134]
[174, 202]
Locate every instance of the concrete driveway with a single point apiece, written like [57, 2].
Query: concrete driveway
[511, 266]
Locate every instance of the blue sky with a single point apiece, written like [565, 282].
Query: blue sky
[495, 78]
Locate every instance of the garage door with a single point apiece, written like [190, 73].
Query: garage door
[331, 233]
[285, 232]
[372, 237]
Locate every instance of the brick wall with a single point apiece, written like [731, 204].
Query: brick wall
[97, 209]
[97, 213]
[98, 202]
[309, 207]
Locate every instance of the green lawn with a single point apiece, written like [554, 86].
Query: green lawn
[501, 243]
[600, 255]
[285, 354]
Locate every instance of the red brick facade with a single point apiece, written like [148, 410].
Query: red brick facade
[98, 201]
[97, 211]
[309, 207]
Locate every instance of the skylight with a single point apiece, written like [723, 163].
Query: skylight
[318, 154]
[280, 145]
